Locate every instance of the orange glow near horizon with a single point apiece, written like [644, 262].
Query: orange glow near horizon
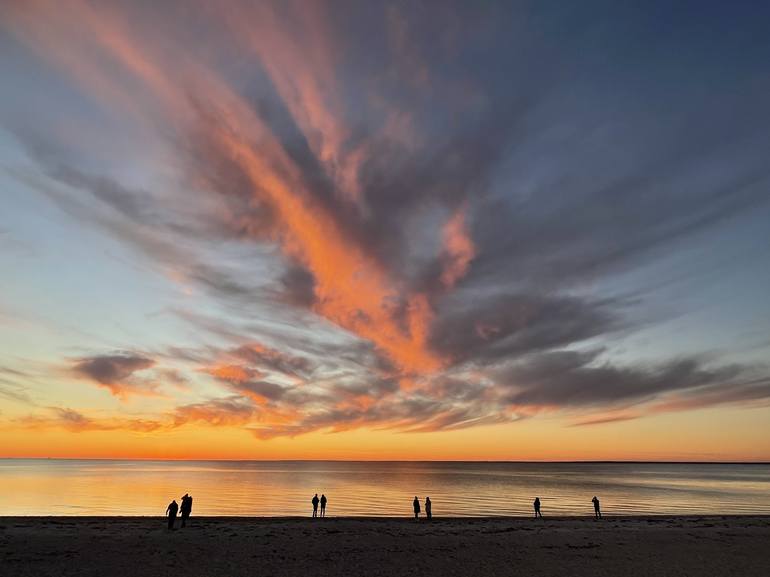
[662, 438]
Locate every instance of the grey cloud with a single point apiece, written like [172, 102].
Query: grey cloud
[606, 419]
[749, 393]
[266, 358]
[752, 393]
[76, 422]
[460, 419]
[13, 372]
[264, 389]
[12, 391]
[581, 379]
[459, 389]
[500, 327]
[131, 203]
[111, 369]
[297, 287]
[227, 411]
[116, 372]
[405, 414]
[377, 387]
[71, 417]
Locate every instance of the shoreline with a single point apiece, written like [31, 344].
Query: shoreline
[374, 518]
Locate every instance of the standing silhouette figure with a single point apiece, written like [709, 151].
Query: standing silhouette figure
[427, 508]
[315, 505]
[185, 509]
[416, 505]
[597, 509]
[323, 505]
[171, 512]
[537, 508]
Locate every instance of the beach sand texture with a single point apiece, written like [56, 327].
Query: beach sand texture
[131, 546]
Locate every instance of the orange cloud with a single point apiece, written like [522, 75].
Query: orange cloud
[458, 249]
[301, 60]
[233, 373]
[352, 289]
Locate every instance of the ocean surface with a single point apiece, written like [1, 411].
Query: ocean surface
[281, 488]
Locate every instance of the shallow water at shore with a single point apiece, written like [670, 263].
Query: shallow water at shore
[284, 488]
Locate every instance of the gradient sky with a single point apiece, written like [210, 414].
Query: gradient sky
[364, 230]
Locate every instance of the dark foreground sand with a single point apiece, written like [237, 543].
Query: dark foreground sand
[130, 546]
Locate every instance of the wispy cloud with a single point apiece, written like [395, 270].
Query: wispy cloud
[77, 422]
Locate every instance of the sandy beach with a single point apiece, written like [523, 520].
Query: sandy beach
[141, 546]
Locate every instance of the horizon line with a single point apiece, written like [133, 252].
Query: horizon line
[494, 461]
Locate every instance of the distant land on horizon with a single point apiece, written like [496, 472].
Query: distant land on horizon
[650, 462]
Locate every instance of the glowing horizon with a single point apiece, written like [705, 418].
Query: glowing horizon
[293, 230]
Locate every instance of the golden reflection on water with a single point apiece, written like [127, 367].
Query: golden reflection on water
[52, 487]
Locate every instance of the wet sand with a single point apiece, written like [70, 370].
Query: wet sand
[231, 547]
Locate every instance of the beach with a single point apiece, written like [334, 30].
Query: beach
[232, 546]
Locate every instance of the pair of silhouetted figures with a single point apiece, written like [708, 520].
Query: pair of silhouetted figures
[416, 507]
[595, 501]
[185, 511]
[315, 500]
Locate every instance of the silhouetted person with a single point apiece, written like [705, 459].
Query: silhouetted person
[323, 505]
[186, 508]
[537, 508]
[171, 512]
[315, 505]
[427, 508]
[597, 509]
[416, 505]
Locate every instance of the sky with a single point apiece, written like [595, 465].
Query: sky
[385, 230]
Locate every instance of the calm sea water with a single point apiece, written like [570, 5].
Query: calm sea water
[258, 488]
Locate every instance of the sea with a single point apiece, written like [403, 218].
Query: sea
[456, 489]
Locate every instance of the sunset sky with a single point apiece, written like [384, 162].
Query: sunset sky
[365, 230]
